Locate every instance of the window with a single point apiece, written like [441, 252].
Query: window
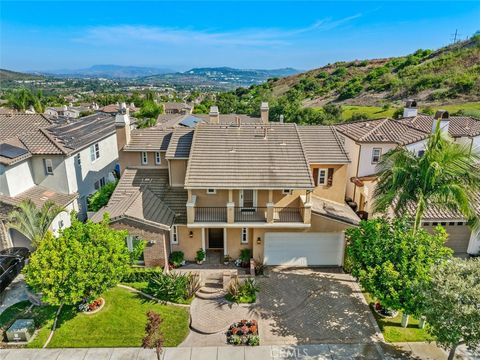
[94, 152]
[451, 223]
[322, 177]
[443, 223]
[144, 158]
[434, 223]
[286, 191]
[244, 239]
[158, 159]
[78, 159]
[99, 183]
[420, 153]
[60, 224]
[174, 235]
[48, 166]
[426, 224]
[211, 191]
[376, 153]
[460, 223]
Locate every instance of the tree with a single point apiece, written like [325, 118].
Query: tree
[451, 304]
[446, 176]
[153, 334]
[100, 198]
[391, 262]
[82, 263]
[34, 222]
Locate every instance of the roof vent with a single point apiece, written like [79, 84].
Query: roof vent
[233, 150]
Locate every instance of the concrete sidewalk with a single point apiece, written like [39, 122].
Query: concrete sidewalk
[321, 351]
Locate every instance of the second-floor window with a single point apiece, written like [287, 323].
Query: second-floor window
[158, 159]
[78, 160]
[376, 154]
[211, 191]
[99, 183]
[144, 158]
[94, 152]
[244, 239]
[322, 177]
[48, 166]
[174, 235]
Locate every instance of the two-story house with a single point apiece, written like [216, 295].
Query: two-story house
[367, 140]
[42, 161]
[275, 189]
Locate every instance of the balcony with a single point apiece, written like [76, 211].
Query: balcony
[249, 215]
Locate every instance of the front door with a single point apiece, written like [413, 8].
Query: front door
[215, 238]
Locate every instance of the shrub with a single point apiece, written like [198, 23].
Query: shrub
[173, 287]
[138, 274]
[245, 257]
[200, 255]
[177, 258]
[358, 116]
[244, 332]
[242, 293]
[351, 89]
[100, 198]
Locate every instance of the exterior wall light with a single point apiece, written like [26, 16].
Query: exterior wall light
[259, 240]
[191, 234]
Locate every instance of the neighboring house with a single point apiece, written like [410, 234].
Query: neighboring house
[116, 108]
[177, 108]
[275, 189]
[46, 161]
[366, 141]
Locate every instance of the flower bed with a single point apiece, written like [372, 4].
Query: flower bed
[244, 332]
[93, 307]
[384, 312]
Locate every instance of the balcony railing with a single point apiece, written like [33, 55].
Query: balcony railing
[211, 214]
[249, 215]
[253, 214]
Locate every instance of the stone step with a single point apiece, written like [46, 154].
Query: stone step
[210, 290]
[209, 295]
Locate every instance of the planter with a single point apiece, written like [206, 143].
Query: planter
[244, 332]
[422, 322]
[92, 308]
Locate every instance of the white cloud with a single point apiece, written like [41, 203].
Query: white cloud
[175, 36]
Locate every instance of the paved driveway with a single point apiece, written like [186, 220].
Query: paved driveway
[311, 306]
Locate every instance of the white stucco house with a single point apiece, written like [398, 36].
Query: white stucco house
[64, 163]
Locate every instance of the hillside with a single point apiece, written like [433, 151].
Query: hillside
[7, 75]
[111, 72]
[449, 74]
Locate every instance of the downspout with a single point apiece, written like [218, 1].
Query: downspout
[356, 173]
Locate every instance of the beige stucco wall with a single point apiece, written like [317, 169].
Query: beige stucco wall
[189, 245]
[336, 192]
[178, 168]
[134, 159]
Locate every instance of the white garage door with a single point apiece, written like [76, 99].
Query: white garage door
[303, 249]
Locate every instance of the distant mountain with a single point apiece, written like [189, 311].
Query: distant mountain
[221, 77]
[111, 72]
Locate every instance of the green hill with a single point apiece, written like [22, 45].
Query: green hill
[7, 75]
[450, 73]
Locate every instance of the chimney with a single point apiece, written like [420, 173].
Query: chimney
[264, 112]
[410, 109]
[442, 117]
[64, 107]
[281, 119]
[214, 115]
[122, 127]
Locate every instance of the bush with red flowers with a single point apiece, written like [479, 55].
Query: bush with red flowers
[92, 306]
[244, 332]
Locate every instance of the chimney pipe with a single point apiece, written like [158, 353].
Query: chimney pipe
[410, 109]
[442, 117]
[214, 115]
[281, 119]
[264, 112]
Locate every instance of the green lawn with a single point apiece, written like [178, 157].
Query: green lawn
[392, 329]
[121, 323]
[375, 112]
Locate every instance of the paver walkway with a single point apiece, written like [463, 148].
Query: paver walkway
[14, 293]
[320, 351]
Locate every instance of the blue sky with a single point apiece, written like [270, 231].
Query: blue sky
[180, 35]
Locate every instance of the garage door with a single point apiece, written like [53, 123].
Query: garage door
[458, 236]
[303, 249]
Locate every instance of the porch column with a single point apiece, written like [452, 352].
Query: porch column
[203, 241]
[225, 242]
[164, 240]
[270, 212]
[270, 196]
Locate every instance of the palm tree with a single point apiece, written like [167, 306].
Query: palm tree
[446, 176]
[34, 222]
